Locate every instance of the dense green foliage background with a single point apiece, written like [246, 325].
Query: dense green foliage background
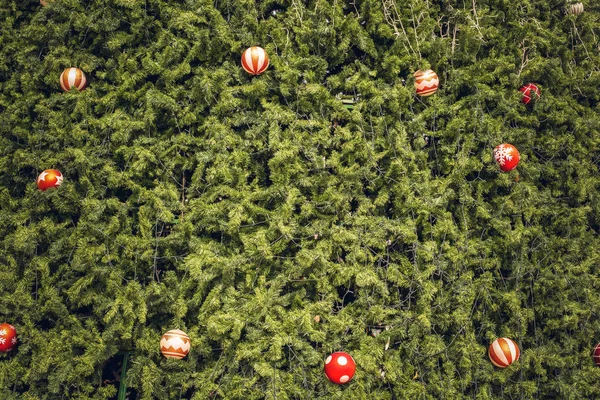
[274, 225]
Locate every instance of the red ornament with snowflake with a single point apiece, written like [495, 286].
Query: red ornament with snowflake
[340, 367]
[8, 337]
[530, 92]
[507, 157]
[49, 178]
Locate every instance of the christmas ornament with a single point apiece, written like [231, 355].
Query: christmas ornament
[506, 156]
[49, 178]
[530, 92]
[503, 352]
[340, 367]
[72, 77]
[255, 60]
[8, 337]
[175, 344]
[426, 82]
[596, 354]
[575, 8]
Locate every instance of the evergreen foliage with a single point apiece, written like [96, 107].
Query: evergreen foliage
[273, 224]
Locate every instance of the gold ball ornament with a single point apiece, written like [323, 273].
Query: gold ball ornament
[175, 344]
[575, 8]
[426, 82]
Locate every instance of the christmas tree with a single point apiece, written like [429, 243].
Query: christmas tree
[321, 206]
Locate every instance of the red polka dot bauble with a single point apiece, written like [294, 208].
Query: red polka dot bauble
[49, 178]
[503, 352]
[175, 344]
[255, 60]
[426, 82]
[596, 354]
[8, 337]
[72, 77]
[530, 92]
[340, 367]
[507, 157]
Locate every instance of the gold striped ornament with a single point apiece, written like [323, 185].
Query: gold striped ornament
[575, 8]
[426, 82]
[255, 60]
[175, 344]
[72, 77]
[503, 352]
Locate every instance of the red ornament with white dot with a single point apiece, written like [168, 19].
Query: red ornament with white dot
[49, 178]
[596, 354]
[340, 367]
[507, 157]
[8, 337]
[530, 92]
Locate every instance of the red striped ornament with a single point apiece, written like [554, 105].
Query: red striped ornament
[255, 60]
[426, 82]
[530, 92]
[72, 77]
[596, 354]
[175, 344]
[503, 352]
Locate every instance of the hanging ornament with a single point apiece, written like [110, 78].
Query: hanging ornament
[507, 156]
[426, 82]
[8, 337]
[49, 178]
[530, 92]
[340, 367]
[72, 77]
[255, 60]
[175, 344]
[575, 8]
[596, 354]
[503, 352]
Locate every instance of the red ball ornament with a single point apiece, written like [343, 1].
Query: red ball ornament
[49, 178]
[503, 352]
[530, 92]
[507, 157]
[72, 77]
[175, 344]
[426, 82]
[8, 337]
[340, 367]
[596, 354]
[255, 60]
